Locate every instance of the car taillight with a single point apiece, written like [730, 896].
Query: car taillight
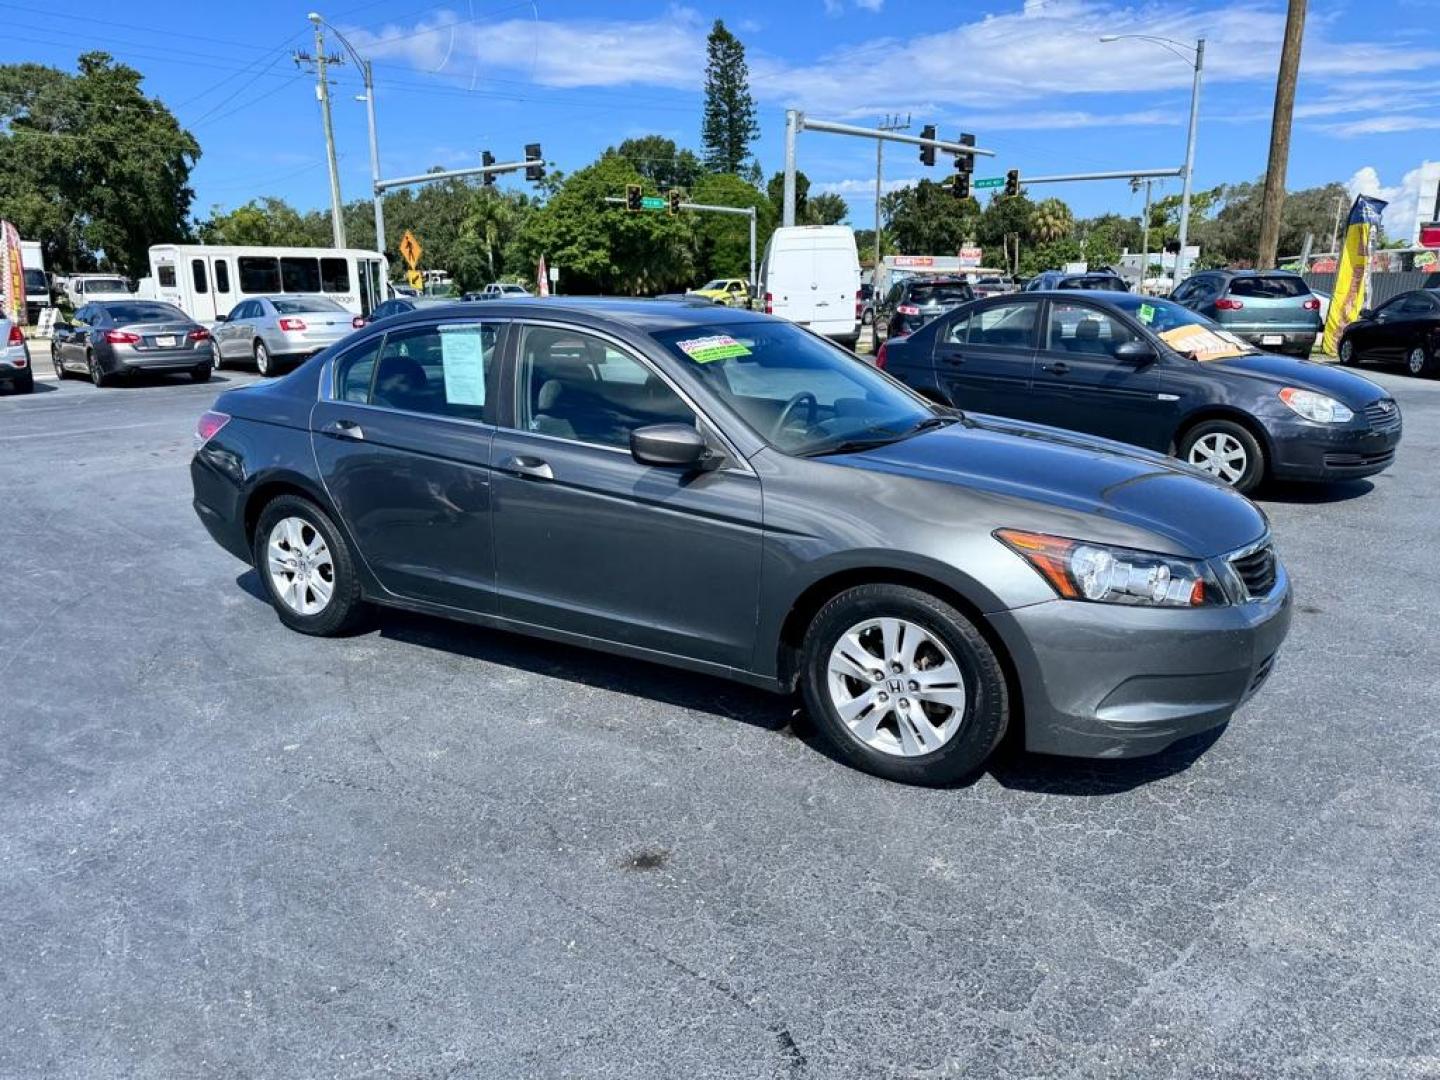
[1225, 303]
[208, 426]
[16, 337]
[769, 304]
[880, 357]
[292, 324]
[907, 309]
[121, 337]
[357, 322]
[199, 334]
[1311, 305]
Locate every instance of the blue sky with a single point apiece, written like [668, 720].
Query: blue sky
[1027, 76]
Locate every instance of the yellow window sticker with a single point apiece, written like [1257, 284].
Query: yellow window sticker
[1204, 344]
[706, 350]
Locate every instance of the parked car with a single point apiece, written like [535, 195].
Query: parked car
[84, 288]
[993, 285]
[732, 292]
[398, 305]
[108, 339]
[1093, 280]
[1124, 367]
[1404, 328]
[912, 303]
[15, 370]
[406, 290]
[810, 274]
[728, 493]
[279, 331]
[497, 290]
[1270, 308]
[865, 304]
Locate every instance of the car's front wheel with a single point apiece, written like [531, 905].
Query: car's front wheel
[903, 685]
[307, 567]
[1419, 361]
[263, 364]
[1227, 451]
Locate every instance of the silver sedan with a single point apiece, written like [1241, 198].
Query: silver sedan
[111, 338]
[277, 332]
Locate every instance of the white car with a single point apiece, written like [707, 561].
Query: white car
[278, 332]
[499, 290]
[15, 370]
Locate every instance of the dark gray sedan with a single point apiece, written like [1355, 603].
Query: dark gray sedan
[729, 493]
[113, 338]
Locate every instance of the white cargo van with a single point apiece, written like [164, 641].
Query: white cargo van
[811, 276]
[37, 283]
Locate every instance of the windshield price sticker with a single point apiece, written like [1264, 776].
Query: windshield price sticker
[706, 350]
[1147, 313]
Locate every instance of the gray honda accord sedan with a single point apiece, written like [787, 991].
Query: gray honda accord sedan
[726, 492]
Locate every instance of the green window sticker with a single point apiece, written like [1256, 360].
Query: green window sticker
[1147, 313]
[707, 350]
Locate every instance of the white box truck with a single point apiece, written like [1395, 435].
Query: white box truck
[811, 275]
[37, 282]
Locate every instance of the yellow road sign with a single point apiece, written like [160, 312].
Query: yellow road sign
[410, 248]
[415, 278]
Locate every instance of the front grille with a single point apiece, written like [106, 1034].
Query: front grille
[1257, 571]
[1383, 415]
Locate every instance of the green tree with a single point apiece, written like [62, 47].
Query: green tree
[775, 189]
[728, 126]
[1004, 229]
[658, 160]
[1104, 238]
[1051, 221]
[825, 209]
[1230, 236]
[722, 241]
[90, 166]
[928, 220]
[264, 222]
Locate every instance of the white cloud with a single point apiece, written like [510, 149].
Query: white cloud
[854, 189]
[1383, 125]
[1055, 120]
[1410, 201]
[870, 5]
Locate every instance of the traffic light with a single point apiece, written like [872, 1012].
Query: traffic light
[487, 159]
[965, 163]
[535, 170]
[1012, 183]
[961, 189]
[674, 197]
[927, 153]
[633, 195]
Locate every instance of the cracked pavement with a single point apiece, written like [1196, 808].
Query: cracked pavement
[434, 851]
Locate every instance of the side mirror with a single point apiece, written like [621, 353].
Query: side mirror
[222, 318]
[1135, 352]
[669, 446]
[1367, 313]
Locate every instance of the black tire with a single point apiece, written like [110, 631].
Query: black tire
[217, 362]
[1420, 361]
[201, 374]
[345, 609]
[264, 362]
[25, 382]
[1349, 356]
[986, 711]
[97, 373]
[1254, 471]
[61, 374]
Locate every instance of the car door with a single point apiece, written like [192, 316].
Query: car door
[402, 437]
[228, 333]
[71, 341]
[1385, 336]
[589, 541]
[1080, 384]
[1409, 326]
[985, 355]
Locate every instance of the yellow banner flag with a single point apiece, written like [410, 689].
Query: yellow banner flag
[1352, 279]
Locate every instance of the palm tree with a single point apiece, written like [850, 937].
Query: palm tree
[1051, 221]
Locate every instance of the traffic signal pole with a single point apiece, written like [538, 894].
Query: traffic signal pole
[450, 174]
[704, 208]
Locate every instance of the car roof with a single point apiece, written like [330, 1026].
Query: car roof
[1253, 273]
[1068, 295]
[936, 279]
[640, 313]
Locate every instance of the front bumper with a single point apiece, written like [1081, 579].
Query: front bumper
[1306, 451]
[1106, 681]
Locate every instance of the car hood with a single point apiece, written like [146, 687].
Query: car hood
[1353, 390]
[1179, 511]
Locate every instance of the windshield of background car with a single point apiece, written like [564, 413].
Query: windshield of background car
[302, 304]
[1269, 288]
[1097, 283]
[940, 293]
[106, 284]
[712, 286]
[796, 390]
[35, 281]
[139, 313]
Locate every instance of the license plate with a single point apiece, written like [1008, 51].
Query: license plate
[1272, 339]
[165, 342]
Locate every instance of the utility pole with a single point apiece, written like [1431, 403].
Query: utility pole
[1273, 204]
[889, 123]
[1144, 233]
[1340, 209]
[322, 94]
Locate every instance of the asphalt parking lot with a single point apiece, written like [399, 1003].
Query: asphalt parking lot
[227, 850]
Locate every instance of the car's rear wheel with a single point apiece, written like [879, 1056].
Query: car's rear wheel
[306, 565]
[60, 373]
[97, 373]
[1347, 353]
[263, 364]
[1227, 451]
[903, 685]
[1419, 361]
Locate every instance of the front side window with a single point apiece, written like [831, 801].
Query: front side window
[355, 371]
[794, 389]
[1086, 331]
[576, 386]
[1002, 326]
[445, 370]
[197, 271]
[335, 275]
[259, 274]
[299, 274]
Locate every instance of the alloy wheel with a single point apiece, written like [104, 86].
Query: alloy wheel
[302, 571]
[262, 358]
[1415, 361]
[1221, 455]
[1347, 352]
[55, 359]
[896, 686]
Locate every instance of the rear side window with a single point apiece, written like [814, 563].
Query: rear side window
[258, 274]
[446, 370]
[1004, 326]
[335, 275]
[299, 274]
[1269, 288]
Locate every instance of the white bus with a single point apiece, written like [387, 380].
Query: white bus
[205, 281]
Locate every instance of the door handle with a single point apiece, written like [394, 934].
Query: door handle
[343, 429]
[954, 359]
[1057, 368]
[533, 467]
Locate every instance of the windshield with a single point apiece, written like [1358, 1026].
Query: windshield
[512, 288]
[712, 286]
[307, 303]
[1162, 316]
[144, 312]
[35, 281]
[105, 284]
[796, 390]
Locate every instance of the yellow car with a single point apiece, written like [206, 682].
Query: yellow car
[731, 292]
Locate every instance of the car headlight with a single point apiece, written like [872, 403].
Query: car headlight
[1316, 407]
[1102, 574]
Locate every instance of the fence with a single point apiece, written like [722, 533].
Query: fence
[1383, 285]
